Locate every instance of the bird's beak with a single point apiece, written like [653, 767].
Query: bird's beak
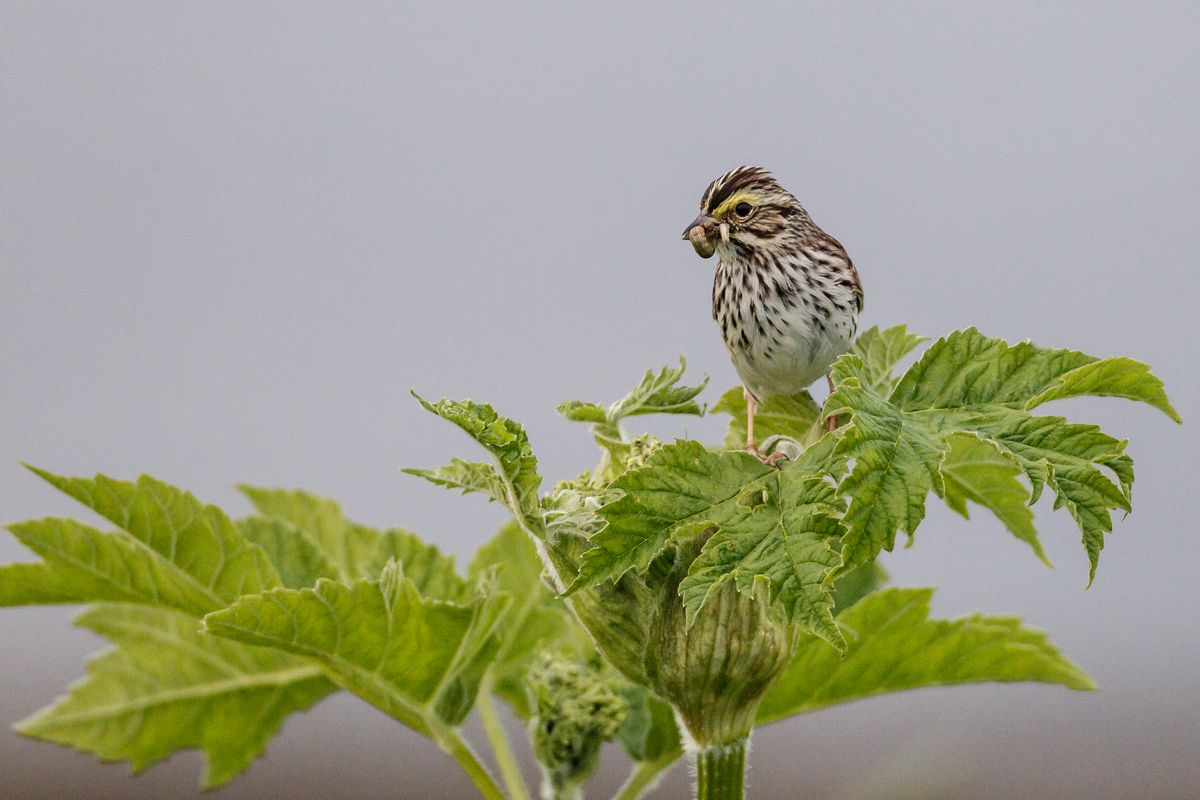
[702, 232]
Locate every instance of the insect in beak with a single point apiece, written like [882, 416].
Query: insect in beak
[701, 233]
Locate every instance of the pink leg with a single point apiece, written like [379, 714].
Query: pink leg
[751, 447]
[832, 423]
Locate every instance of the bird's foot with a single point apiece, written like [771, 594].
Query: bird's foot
[771, 460]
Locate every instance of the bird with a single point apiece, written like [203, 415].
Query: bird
[785, 294]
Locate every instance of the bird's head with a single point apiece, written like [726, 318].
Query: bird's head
[748, 206]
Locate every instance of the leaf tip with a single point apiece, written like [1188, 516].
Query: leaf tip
[44, 474]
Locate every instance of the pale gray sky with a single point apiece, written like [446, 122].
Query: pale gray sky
[233, 235]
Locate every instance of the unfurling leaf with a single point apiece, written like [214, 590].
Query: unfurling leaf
[893, 645]
[466, 476]
[657, 393]
[897, 462]
[508, 445]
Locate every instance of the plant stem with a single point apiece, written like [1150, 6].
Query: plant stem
[721, 771]
[458, 749]
[645, 777]
[514, 784]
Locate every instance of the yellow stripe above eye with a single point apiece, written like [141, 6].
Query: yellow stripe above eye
[744, 197]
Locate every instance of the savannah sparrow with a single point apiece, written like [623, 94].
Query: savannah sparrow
[785, 293]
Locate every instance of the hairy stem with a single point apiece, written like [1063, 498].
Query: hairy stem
[452, 743]
[550, 793]
[514, 784]
[645, 777]
[721, 771]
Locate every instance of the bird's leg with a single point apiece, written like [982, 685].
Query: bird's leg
[751, 447]
[751, 403]
[832, 423]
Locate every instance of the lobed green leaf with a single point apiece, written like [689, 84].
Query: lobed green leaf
[167, 687]
[893, 646]
[197, 539]
[774, 526]
[350, 549]
[419, 660]
[880, 352]
[84, 564]
[979, 471]
[898, 461]
[969, 385]
[536, 620]
[298, 559]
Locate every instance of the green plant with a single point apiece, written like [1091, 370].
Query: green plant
[675, 597]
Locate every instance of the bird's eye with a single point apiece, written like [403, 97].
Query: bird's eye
[743, 210]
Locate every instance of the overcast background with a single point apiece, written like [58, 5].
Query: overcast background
[234, 235]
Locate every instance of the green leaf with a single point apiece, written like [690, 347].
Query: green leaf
[424, 565]
[796, 416]
[649, 732]
[350, 548]
[467, 476]
[297, 558]
[536, 620]
[855, 584]
[197, 539]
[419, 660]
[897, 462]
[508, 445]
[880, 352]
[37, 584]
[167, 687]
[966, 369]
[580, 411]
[84, 564]
[967, 383]
[978, 470]
[1111, 377]
[893, 646]
[356, 551]
[659, 393]
[772, 525]
[786, 542]
[675, 494]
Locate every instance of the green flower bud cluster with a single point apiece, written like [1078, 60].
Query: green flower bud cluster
[576, 709]
[641, 449]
